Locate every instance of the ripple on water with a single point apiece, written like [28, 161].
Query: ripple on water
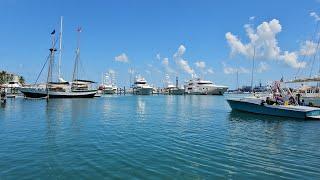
[189, 137]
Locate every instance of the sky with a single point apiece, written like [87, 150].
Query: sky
[209, 39]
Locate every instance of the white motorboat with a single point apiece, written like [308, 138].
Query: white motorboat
[198, 86]
[141, 87]
[280, 103]
[107, 86]
[259, 106]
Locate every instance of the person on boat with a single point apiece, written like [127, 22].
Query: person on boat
[269, 101]
[279, 99]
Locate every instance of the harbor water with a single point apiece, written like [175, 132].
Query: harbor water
[162, 137]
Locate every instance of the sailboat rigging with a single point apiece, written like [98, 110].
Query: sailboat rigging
[61, 88]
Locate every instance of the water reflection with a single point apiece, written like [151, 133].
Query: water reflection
[141, 107]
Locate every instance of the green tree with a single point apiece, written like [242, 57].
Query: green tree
[3, 77]
[21, 79]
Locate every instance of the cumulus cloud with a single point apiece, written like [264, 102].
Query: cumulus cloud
[165, 63]
[262, 67]
[252, 18]
[263, 43]
[308, 48]
[210, 71]
[200, 64]
[158, 56]
[315, 16]
[122, 58]
[183, 64]
[231, 70]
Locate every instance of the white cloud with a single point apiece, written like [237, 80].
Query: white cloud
[210, 71]
[308, 48]
[262, 67]
[232, 70]
[315, 16]
[183, 64]
[158, 56]
[252, 18]
[264, 43]
[165, 63]
[122, 58]
[200, 64]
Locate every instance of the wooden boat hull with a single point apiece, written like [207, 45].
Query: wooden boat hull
[272, 110]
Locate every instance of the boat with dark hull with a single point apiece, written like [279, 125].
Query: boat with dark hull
[60, 89]
[41, 92]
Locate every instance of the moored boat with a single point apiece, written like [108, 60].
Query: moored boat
[259, 106]
[141, 87]
[198, 86]
[60, 89]
[280, 103]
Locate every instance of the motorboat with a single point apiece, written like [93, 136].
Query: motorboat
[141, 87]
[259, 106]
[107, 86]
[198, 86]
[280, 103]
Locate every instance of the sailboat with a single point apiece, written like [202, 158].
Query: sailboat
[77, 88]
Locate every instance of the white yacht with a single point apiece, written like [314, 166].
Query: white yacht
[202, 87]
[108, 86]
[172, 89]
[141, 87]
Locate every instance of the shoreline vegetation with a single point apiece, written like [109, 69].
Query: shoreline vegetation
[6, 77]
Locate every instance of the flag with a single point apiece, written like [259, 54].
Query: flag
[54, 31]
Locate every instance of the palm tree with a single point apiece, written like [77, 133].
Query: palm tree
[21, 80]
[3, 77]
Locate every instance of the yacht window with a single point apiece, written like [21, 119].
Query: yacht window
[202, 83]
[140, 82]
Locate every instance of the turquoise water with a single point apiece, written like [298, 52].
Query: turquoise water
[184, 137]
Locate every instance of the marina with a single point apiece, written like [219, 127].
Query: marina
[160, 90]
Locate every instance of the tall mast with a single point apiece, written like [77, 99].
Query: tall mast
[60, 48]
[254, 53]
[75, 70]
[51, 61]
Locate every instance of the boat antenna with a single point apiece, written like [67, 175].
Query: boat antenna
[60, 49]
[254, 53]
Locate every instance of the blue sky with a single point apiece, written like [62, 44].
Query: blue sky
[184, 32]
